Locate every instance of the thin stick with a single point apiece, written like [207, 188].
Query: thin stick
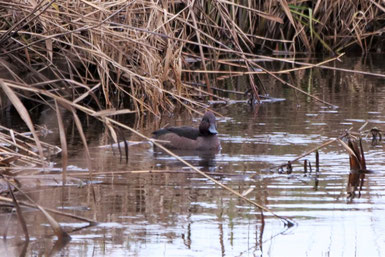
[9, 200]
[123, 172]
[18, 211]
[310, 151]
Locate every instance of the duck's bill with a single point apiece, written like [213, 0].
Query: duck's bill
[213, 129]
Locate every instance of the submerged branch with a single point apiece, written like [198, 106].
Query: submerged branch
[23, 203]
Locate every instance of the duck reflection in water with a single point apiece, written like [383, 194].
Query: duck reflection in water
[187, 141]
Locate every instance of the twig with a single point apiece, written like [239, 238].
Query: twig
[9, 200]
[310, 151]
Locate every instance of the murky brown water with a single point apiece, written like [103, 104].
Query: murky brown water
[179, 213]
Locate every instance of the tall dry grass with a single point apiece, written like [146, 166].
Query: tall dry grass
[138, 55]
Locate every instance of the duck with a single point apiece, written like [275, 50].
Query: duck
[189, 138]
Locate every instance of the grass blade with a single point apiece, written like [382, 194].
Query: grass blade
[19, 106]
[63, 142]
[19, 213]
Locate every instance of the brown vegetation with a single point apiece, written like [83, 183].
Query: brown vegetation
[139, 55]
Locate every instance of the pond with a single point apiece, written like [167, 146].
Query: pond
[153, 205]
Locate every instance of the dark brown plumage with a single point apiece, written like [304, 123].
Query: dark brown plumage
[188, 138]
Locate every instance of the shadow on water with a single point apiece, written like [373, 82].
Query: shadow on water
[153, 205]
[205, 160]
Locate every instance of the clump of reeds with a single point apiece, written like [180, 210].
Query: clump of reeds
[351, 141]
[20, 150]
[140, 55]
[326, 25]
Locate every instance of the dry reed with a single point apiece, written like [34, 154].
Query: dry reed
[138, 55]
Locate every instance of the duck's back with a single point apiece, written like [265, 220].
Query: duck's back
[186, 138]
[188, 132]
